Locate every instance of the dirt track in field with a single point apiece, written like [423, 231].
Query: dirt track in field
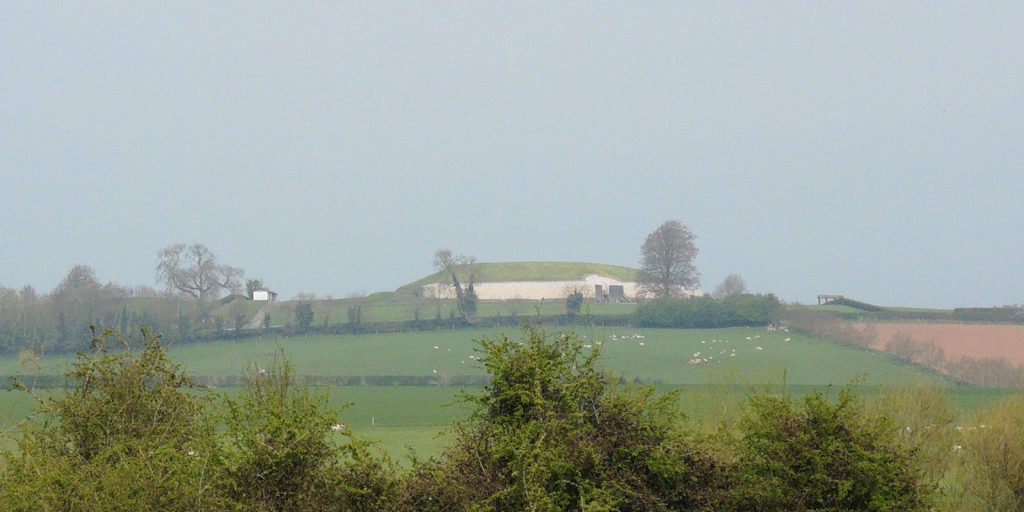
[979, 341]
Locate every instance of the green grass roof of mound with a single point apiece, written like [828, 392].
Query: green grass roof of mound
[536, 271]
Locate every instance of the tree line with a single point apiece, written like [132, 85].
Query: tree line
[192, 279]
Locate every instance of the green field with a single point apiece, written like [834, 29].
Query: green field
[654, 355]
[399, 417]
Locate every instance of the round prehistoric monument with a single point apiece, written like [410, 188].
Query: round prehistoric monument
[540, 281]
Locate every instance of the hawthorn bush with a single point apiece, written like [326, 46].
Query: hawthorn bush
[129, 435]
[821, 455]
[126, 436]
[279, 457]
[553, 432]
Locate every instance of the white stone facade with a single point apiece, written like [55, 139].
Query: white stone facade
[537, 290]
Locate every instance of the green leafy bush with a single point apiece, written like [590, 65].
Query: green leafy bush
[280, 457]
[822, 455]
[127, 436]
[552, 432]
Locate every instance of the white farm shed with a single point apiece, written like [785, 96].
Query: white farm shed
[264, 294]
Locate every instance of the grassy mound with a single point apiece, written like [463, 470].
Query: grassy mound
[536, 271]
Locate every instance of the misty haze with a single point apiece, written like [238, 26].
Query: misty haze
[537, 256]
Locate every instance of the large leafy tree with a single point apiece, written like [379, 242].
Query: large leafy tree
[667, 265]
[80, 301]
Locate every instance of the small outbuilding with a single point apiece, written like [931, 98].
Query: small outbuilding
[263, 294]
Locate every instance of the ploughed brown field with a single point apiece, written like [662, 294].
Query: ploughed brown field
[980, 341]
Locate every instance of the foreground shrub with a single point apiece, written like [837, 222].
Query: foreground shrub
[992, 458]
[281, 456]
[821, 455]
[923, 417]
[551, 432]
[127, 436]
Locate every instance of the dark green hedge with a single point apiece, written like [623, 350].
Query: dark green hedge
[706, 313]
[1006, 314]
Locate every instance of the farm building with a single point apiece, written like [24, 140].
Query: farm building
[263, 294]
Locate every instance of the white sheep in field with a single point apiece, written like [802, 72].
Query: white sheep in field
[338, 427]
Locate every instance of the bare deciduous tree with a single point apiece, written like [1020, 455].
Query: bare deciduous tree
[733, 284]
[667, 266]
[194, 271]
[454, 266]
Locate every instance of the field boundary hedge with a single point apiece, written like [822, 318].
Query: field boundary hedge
[707, 313]
[1007, 316]
[513, 321]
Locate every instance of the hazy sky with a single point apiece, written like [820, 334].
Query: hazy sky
[873, 149]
